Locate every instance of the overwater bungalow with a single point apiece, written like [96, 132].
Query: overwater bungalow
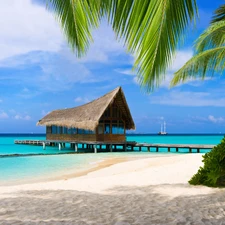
[105, 119]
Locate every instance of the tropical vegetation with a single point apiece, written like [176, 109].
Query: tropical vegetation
[150, 29]
[209, 54]
[212, 173]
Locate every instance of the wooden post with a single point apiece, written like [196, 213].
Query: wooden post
[168, 149]
[125, 147]
[198, 150]
[157, 148]
[148, 148]
[176, 149]
[95, 148]
[132, 148]
[76, 147]
[139, 148]
[60, 146]
[110, 147]
[189, 150]
[43, 145]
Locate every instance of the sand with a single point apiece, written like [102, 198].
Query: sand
[143, 191]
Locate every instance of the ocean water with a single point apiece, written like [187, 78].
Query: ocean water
[15, 170]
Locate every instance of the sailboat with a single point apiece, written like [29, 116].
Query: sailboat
[163, 129]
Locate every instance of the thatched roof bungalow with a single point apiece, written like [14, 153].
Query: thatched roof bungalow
[104, 119]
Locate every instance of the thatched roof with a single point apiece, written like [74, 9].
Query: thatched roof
[87, 116]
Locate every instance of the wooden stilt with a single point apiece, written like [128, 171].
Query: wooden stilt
[60, 146]
[76, 147]
[157, 148]
[168, 149]
[148, 148]
[110, 148]
[198, 150]
[95, 148]
[176, 149]
[43, 145]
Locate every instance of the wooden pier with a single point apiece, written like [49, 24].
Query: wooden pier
[117, 146]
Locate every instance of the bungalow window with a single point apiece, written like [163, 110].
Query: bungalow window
[59, 130]
[88, 132]
[80, 131]
[48, 129]
[69, 131]
[117, 127]
[74, 130]
[64, 130]
[120, 128]
[114, 128]
[107, 128]
[54, 129]
[100, 129]
[91, 132]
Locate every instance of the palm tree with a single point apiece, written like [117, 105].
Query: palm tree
[209, 54]
[150, 29]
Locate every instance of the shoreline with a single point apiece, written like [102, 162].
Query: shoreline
[73, 173]
[111, 167]
[142, 191]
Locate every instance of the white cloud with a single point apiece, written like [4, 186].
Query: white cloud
[216, 120]
[186, 98]
[27, 117]
[104, 45]
[19, 117]
[27, 27]
[180, 59]
[205, 119]
[126, 72]
[4, 115]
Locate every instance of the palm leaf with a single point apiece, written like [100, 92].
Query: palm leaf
[77, 18]
[213, 37]
[209, 61]
[219, 14]
[151, 29]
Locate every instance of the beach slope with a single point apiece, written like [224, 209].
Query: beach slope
[142, 191]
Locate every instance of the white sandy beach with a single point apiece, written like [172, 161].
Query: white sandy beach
[143, 191]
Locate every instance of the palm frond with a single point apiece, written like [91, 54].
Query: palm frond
[219, 14]
[212, 37]
[209, 61]
[77, 18]
[151, 29]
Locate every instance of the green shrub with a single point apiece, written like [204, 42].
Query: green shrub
[213, 172]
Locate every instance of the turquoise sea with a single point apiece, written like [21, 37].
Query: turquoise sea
[15, 170]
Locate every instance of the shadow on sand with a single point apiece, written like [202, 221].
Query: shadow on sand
[119, 206]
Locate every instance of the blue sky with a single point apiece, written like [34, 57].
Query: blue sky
[38, 73]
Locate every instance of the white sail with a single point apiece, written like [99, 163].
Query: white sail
[163, 129]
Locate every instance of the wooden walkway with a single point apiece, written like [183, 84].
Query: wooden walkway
[117, 146]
